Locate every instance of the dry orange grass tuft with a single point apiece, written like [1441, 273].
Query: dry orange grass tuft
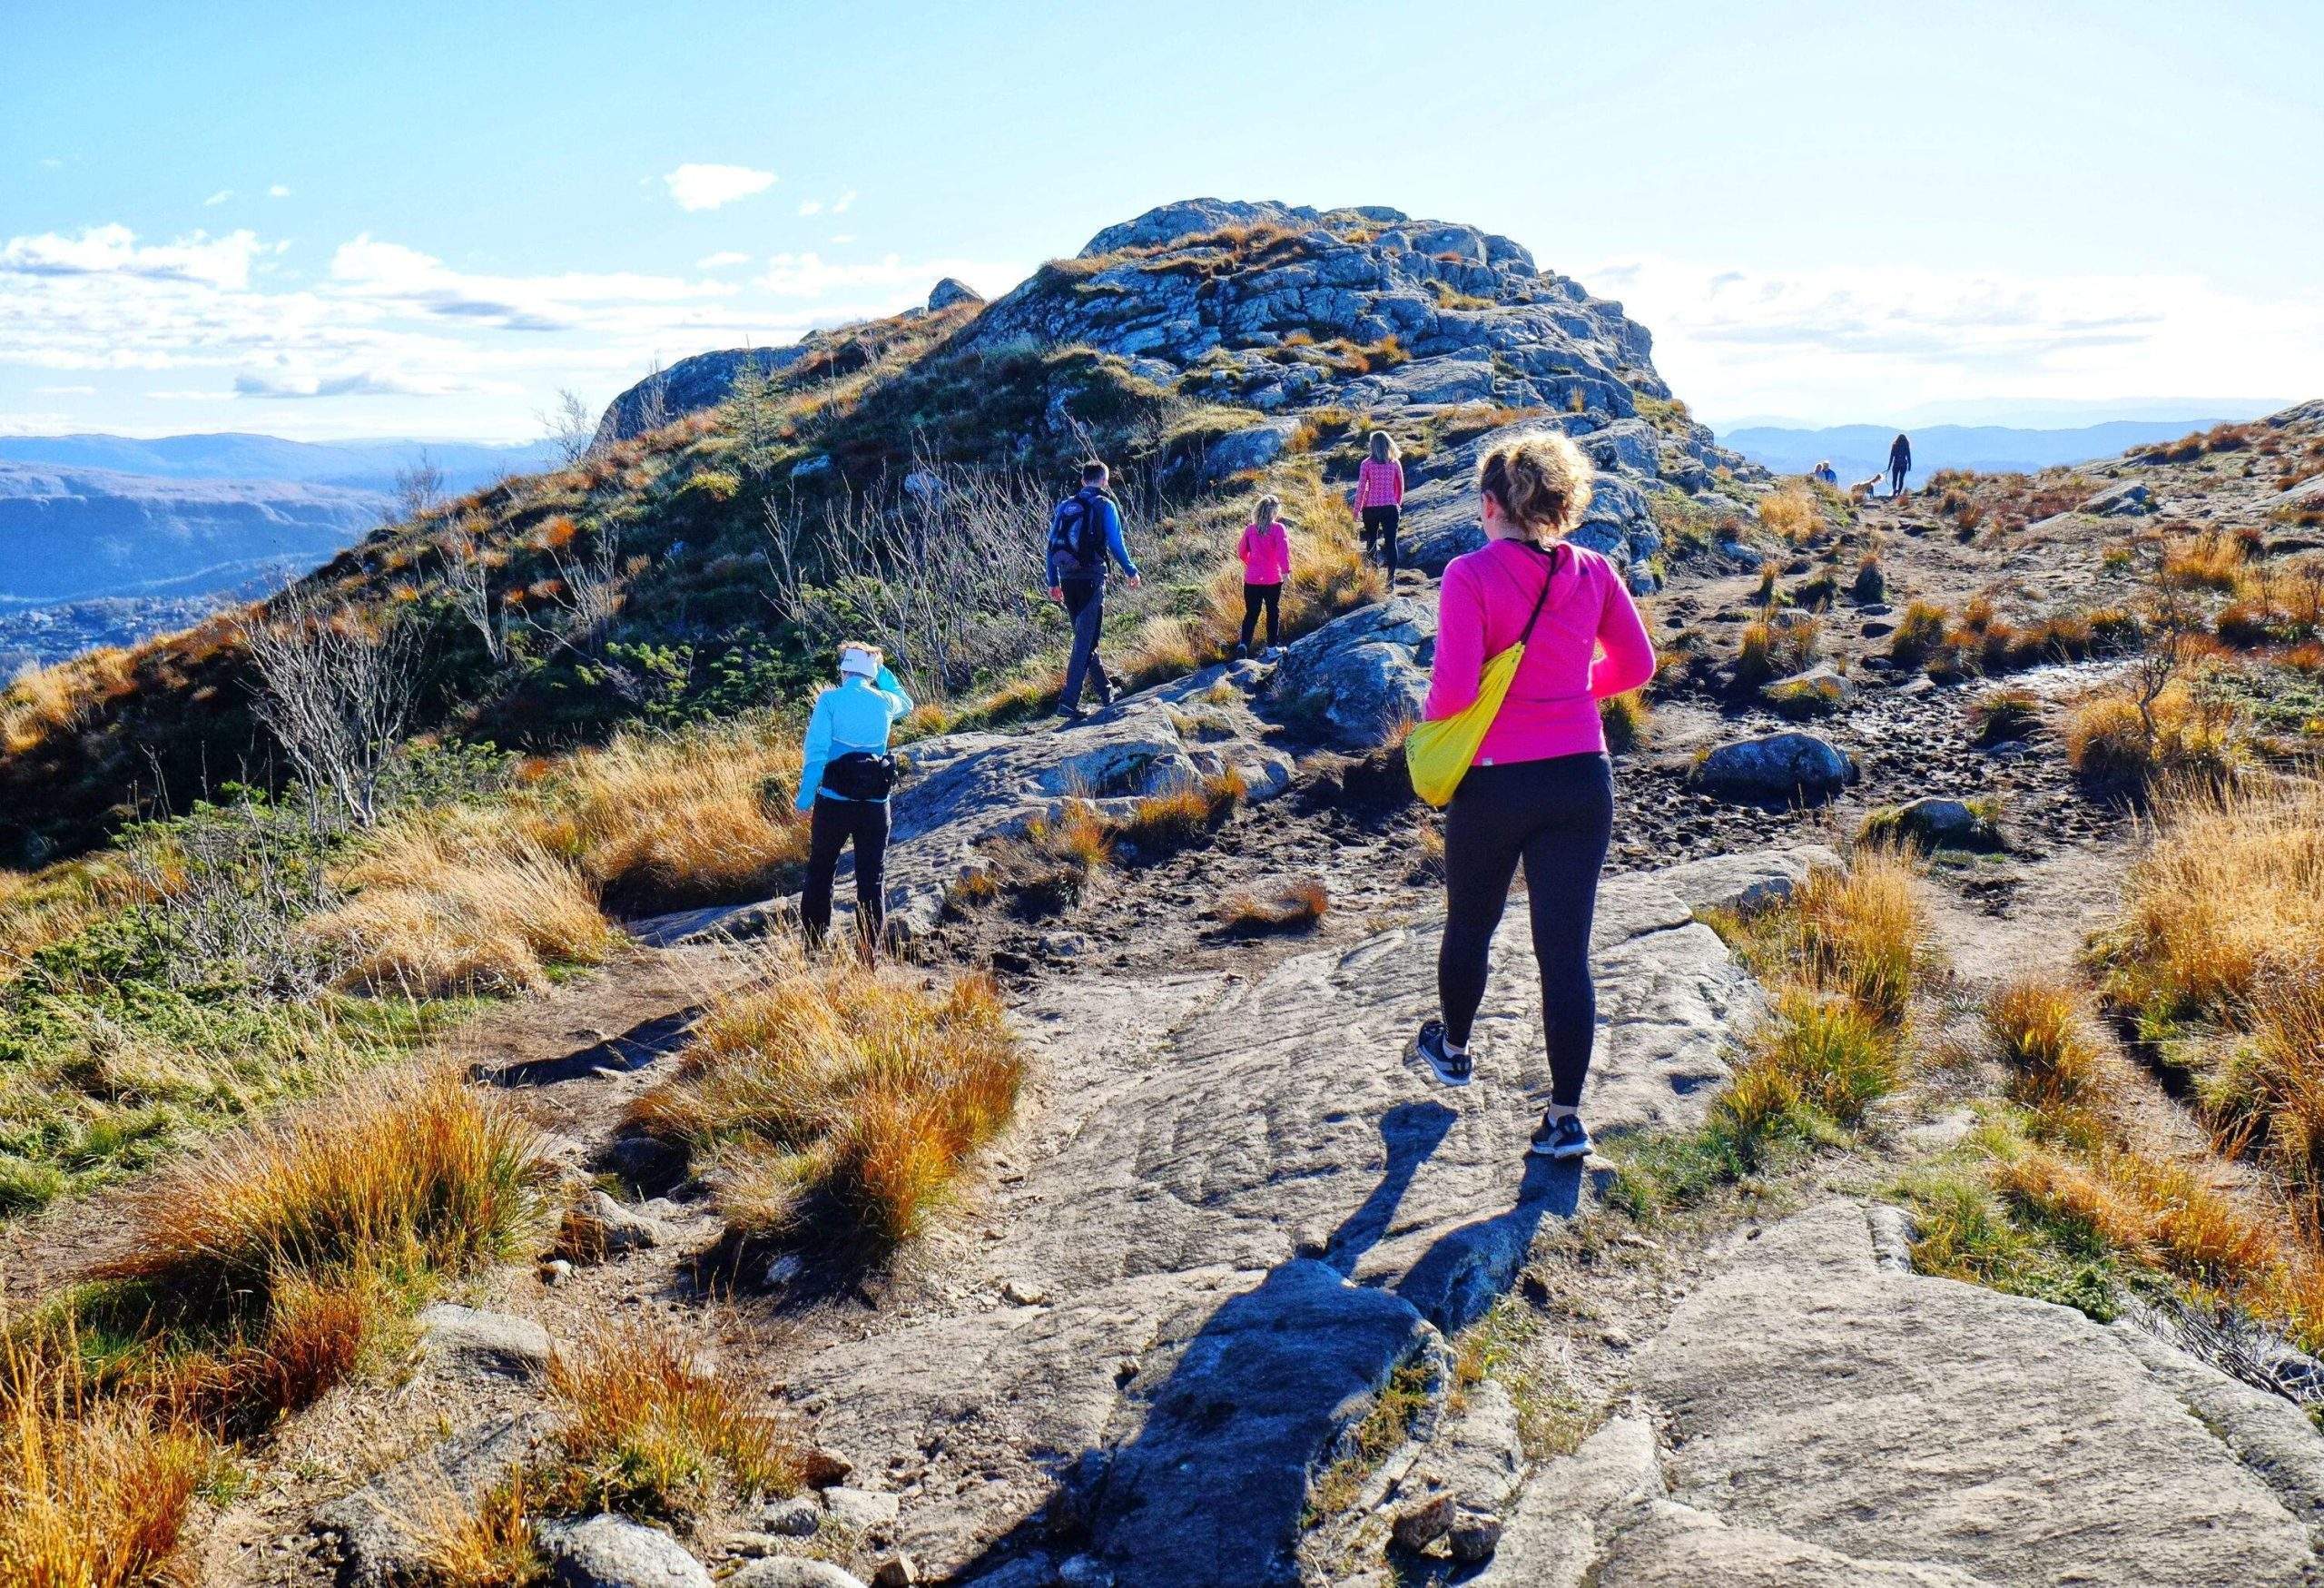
[1179, 815]
[2208, 561]
[93, 1493]
[1791, 512]
[2054, 1063]
[1860, 932]
[59, 699]
[660, 822]
[835, 1086]
[2184, 733]
[2222, 926]
[1301, 902]
[650, 1430]
[411, 1174]
[461, 905]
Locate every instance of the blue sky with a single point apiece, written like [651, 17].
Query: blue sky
[365, 219]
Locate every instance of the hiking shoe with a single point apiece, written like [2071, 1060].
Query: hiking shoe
[1241, 651]
[1565, 1137]
[1069, 715]
[1271, 653]
[1452, 1068]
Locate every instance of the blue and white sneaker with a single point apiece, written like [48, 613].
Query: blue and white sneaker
[1452, 1068]
[1561, 1138]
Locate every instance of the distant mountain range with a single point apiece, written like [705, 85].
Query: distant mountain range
[129, 531]
[1860, 451]
[365, 466]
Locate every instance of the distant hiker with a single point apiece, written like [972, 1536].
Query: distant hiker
[1900, 464]
[1379, 499]
[845, 781]
[1265, 551]
[1539, 788]
[1826, 473]
[1084, 531]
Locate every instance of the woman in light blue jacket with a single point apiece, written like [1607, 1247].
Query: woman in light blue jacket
[844, 782]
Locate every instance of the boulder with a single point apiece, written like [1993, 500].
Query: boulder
[2130, 499]
[491, 1342]
[1777, 766]
[1936, 823]
[378, 1544]
[689, 386]
[1238, 451]
[1818, 692]
[796, 1517]
[862, 1509]
[951, 289]
[621, 1229]
[611, 1552]
[1362, 676]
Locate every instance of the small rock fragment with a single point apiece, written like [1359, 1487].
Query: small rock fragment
[797, 1517]
[898, 1571]
[1420, 1524]
[1024, 1292]
[862, 1509]
[1474, 1535]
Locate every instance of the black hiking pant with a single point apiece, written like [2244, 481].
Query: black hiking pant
[1085, 602]
[1557, 817]
[835, 824]
[1256, 599]
[1380, 528]
[1896, 472]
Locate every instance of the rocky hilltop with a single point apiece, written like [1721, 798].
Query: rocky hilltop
[1299, 314]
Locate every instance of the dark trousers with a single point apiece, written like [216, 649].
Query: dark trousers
[836, 825]
[1896, 472]
[1380, 528]
[1557, 817]
[1256, 599]
[1085, 602]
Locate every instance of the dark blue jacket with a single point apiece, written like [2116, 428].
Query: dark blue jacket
[1063, 564]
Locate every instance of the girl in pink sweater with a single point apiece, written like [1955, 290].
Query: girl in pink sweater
[1541, 789]
[1265, 551]
[1379, 501]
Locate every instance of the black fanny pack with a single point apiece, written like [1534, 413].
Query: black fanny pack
[860, 775]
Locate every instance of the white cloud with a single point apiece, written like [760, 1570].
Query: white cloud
[218, 198]
[839, 206]
[222, 261]
[843, 238]
[707, 187]
[278, 191]
[1841, 343]
[64, 391]
[725, 259]
[810, 206]
[388, 335]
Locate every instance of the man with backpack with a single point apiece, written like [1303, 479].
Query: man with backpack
[1084, 531]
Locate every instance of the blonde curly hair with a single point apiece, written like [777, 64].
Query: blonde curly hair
[1541, 480]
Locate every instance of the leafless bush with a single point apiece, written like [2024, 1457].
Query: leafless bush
[468, 578]
[419, 491]
[337, 690]
[653, 399]
[570, 428]
[232, 883]
[593, 587]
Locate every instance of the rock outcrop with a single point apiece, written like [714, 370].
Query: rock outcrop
[689, 386]
[1833, 1421]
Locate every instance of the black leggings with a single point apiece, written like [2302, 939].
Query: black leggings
[1380, 527]
[1557, 817]
[1256, 598]
[836, 823]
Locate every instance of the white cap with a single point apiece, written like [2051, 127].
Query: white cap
[859, 662]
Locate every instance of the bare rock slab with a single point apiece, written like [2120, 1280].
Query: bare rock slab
[1906, 1419]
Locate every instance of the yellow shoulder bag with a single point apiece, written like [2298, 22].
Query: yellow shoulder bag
[1439, 754]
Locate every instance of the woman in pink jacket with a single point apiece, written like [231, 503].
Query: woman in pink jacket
[1265, 551]
[1541, 789]
[1379, 499]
